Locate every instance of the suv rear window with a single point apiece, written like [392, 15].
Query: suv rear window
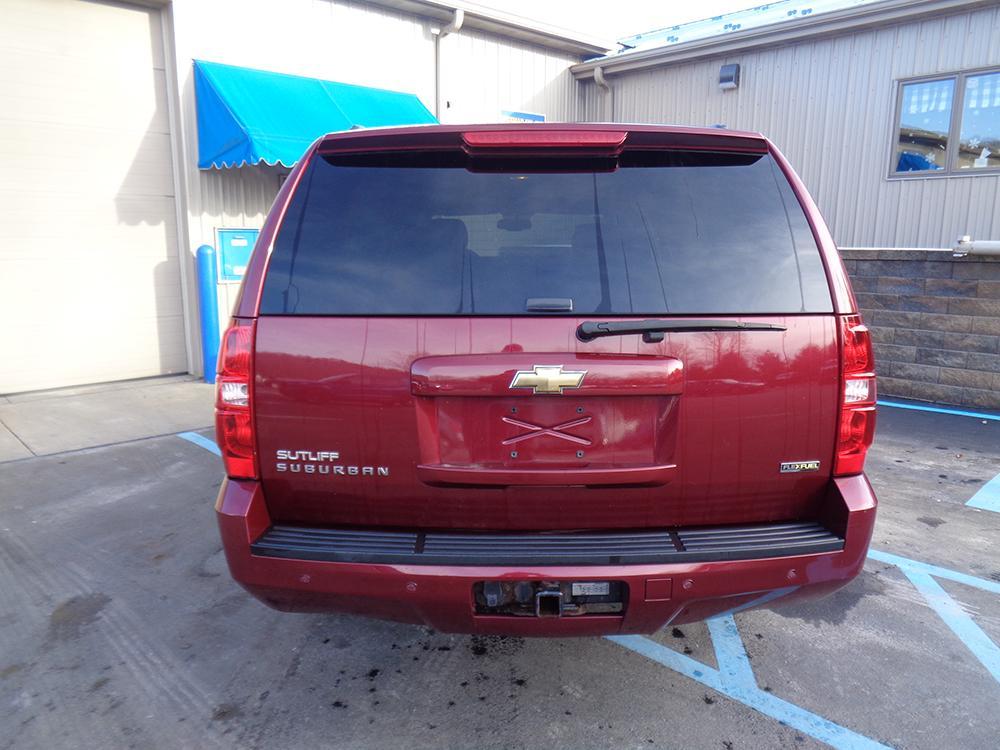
[677, 233]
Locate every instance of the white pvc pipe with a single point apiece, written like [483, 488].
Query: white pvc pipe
[968, 246]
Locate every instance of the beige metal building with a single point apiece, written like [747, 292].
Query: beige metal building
[830, 89]
[102, 203]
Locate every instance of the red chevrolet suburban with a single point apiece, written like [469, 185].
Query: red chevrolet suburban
[544, 380]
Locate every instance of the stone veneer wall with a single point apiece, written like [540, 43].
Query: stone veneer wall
[935, 321]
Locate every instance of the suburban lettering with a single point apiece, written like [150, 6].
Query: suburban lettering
[321, 462]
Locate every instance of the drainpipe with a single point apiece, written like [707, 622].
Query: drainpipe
[457, 19]
[602, 83]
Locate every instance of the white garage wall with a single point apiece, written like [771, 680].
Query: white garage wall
[351, 42]
[89, 273]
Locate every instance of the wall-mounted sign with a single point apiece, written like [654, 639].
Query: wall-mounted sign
[511, 116]
[235, 246]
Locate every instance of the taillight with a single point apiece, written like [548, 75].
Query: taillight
[233, 420]
[856, 428]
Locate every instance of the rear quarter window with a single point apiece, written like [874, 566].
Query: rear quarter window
[658, 234]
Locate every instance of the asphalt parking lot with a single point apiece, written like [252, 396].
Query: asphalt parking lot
[119, 627]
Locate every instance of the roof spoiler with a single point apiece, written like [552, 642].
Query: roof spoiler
[569, 139]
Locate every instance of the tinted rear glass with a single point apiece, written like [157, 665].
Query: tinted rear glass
[694, 234]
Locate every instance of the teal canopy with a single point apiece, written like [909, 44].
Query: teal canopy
[250, 116]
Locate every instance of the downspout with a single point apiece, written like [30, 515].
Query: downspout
[602, 83]
[457, 19]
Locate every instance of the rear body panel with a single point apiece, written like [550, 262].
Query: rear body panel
[742, 404]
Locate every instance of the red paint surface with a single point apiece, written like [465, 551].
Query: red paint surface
[689, 430]
[441, 596]
[748, 401]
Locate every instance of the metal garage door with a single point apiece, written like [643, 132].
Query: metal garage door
[89, 275]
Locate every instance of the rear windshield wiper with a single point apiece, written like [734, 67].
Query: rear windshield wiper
[652, 330]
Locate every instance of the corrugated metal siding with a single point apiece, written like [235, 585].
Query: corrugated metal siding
[232, 198]
[829, 106]
[482, 75]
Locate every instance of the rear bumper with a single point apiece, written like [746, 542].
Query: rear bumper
[675, 590]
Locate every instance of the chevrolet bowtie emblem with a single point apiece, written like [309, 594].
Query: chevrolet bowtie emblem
[547, 379]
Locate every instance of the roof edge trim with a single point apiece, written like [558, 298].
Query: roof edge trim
[822, 24]
[490, 20]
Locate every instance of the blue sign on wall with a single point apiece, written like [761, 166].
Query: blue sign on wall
[235, 246]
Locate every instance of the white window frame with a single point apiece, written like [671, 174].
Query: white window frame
[950, 169]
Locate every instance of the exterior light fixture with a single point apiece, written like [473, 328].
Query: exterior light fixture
[729, 76]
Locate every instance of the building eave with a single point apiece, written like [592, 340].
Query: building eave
[821, 25]
[505, 24]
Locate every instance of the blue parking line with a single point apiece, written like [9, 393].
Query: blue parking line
[905, 563]
[204, 442]
[750, 694]
[922, 575]
[958, 620]
[988, 497]
[939, 410]
[735, 679]
[734, 664]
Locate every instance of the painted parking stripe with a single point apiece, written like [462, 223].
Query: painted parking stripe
[735, 679]
[958, 620]
[939, 410]
[200, 440]
[905, 563]
[734, 664]
[731, 681]
[988, 497]
[922, 576]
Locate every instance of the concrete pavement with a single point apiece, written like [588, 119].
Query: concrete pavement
[120, 626]
[46, 422]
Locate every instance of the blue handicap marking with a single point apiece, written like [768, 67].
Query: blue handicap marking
[922, 576]
[958, 620]
[735, 679]
[939, 410]
[200, 440]
[938, 572]
[988, 497]
[734, 664]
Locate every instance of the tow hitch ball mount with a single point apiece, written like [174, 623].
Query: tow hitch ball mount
[549, 603]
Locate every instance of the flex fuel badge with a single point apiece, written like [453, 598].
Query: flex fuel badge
[794, 467]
